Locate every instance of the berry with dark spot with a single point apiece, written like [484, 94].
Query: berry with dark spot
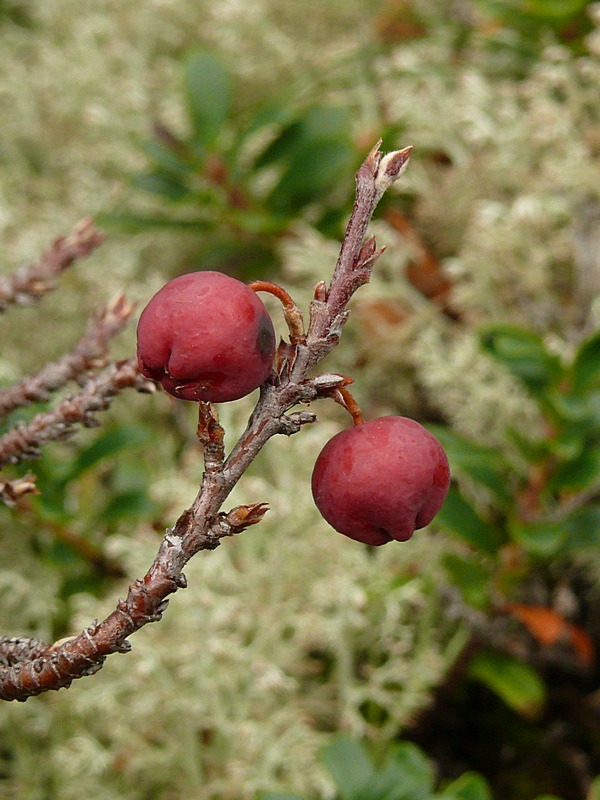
[381, 480]
[206, 336]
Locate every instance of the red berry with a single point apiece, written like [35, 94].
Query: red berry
[206, 336]
[381, 480]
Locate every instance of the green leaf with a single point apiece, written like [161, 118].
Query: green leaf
[471, 578]
[548, 797]
[165, 158]
[586, 366]
[583, 527]
[412, 771]
[131, 503]
[484, 464]
[551, 10]
[272, 114]
[135, 223]
[208, 93]
[523, 353]
[350, 766]
[163, 183]
[516, 683]
[107, 445]
[539, 538]
[279, 796]
[318, 125]
[314, 170]
[581, 472]
[594, 792]
[470, 786]
[459, 516]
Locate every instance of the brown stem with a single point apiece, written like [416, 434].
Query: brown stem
[90, 353]
[29, 283]
[202, 525]
[344, 398]
[24, 441]
[291, 312]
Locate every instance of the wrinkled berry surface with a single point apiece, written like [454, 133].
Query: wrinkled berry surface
[381, 480]
[206, 336]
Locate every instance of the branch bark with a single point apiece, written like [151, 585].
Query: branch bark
[202, 526]
[31, 282]
[90, 353]
[25, 440]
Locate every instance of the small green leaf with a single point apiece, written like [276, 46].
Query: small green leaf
[272, 114]
[279, 796]
[539, 538]
[470, 786]
[534, 450]
[106, 445]
[594, 792]
[318, 125]
[460, 517]
[165, 158]
[523, 353]
[414, 771]
[583, 527]
[586, 366]
[580, 472]
[548, 797]
[208, 92]
[516, 683]
[484, 464]
[163, 183]
[315, 169]
[551, 10]
[131, 503]
[135, 223]
[350, 766]
[471, 578]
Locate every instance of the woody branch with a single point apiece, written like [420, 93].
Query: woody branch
[36, 669]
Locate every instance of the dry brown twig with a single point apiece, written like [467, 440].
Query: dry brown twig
[25, 440]
[90, 353]
[32, 667]
[31, 282]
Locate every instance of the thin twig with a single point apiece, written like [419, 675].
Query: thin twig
[202, 526]
[90, 353]
[31, 282]
[25, 440]
[12, 491]
[291, 312]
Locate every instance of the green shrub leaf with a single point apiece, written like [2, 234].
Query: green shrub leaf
[583, 527]
[516, 683]
[162, 183]
[586, 367]
[279, 796]
[414, 774]
[484, 464]
[580, 472]
[523, 353]
[350, 766]
[106, 445]
[460, 517]
[471, 578]
[470, 786]
[539, 538]
[208, 93]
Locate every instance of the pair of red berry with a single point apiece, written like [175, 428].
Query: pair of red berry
[207, 336]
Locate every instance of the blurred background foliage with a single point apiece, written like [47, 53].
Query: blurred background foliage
[225, 135]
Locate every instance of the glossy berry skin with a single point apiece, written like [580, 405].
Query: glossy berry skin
[206, 336]
[381, 480]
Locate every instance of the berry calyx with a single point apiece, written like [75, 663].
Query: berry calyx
[381, 480]
[206, 336]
